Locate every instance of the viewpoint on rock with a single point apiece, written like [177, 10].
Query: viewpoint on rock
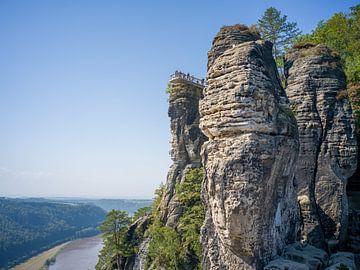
[316, 87]
[250, 158]
[186, 142]
[164, 135]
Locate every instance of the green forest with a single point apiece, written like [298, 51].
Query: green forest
[27, 228]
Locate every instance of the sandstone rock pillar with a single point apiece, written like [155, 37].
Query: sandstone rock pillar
[250, 157]
[186, 142]
[316, 87]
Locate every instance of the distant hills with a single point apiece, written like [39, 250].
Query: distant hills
[31, 225]
[128, 205]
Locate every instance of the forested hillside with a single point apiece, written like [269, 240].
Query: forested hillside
[128, 205]
[27, 228]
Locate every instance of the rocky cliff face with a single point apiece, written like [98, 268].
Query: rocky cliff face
[250, 157]
[186, 143]
[315, 87]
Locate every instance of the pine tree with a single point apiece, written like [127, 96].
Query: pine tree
[116, 244]
[274, 27]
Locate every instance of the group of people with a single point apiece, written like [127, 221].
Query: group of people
[188, 77]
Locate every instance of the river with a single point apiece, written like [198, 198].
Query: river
[81, 254]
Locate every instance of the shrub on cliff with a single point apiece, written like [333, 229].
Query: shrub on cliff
[188, 193]
[180, 247]
[342, 34]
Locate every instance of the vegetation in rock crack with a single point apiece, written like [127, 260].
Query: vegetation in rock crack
[143, 211]
[185, 249]
[274, 26]
[168, 88]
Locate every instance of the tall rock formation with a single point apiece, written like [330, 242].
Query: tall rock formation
[250, 157]
[186, 142]
[316, 89]
[184, 94]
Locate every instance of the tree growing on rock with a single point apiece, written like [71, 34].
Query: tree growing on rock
[116, 244]
[275, 27]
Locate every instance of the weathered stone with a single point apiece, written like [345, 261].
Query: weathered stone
[353, 237]
[250, 157]
[284, 264]
[228, 37]
[141, 255]
[186, 143]
[345, 259]
[315, 87]
[136, 261]
[311, 256]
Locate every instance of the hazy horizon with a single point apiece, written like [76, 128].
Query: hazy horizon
[83, 107]
[78, 198]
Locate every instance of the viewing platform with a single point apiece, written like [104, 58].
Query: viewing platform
[180, 77]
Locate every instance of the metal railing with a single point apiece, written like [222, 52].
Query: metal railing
[187, 77]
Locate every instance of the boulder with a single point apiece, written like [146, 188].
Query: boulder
[284, 264]
[342, 259]
[314, 258]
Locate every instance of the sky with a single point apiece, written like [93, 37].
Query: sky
[83, 108]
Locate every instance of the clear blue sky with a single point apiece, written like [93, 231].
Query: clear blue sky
[83, 109]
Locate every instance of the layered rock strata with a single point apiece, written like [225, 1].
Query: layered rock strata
[315, 88]
[249, 160]
[186, 143]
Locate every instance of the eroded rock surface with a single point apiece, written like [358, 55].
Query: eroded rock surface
[250, 157]
[137, 260]
[315, 87]
[186, 143]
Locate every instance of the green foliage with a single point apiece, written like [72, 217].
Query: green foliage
[28, 227]
[291, 111]
[274, 27]
[168, 88]
[143, 211]
[185, 249]
[164, 248]
[116, 243]
[188, 193]
[342, 34]
[354, 96]
[157, 200]
[342, 267]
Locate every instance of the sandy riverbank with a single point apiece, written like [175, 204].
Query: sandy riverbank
[38, 261]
